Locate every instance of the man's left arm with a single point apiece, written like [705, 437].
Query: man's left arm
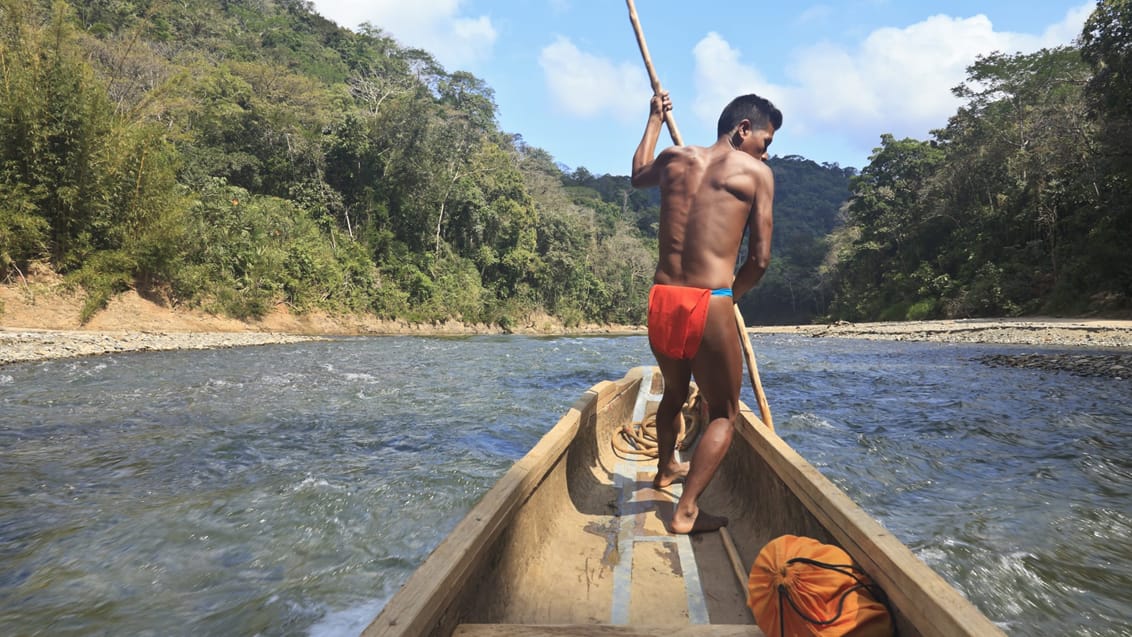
[760, 226]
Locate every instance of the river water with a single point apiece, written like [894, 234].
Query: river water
[291, 489]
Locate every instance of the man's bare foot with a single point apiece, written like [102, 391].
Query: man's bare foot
[701, 522]
[668, 477]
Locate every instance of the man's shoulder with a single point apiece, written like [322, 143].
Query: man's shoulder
[757, 169]
[682, 152]
[736, 163]
[741, 159]
[763, 169]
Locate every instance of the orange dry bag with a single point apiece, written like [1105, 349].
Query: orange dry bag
[800, 587]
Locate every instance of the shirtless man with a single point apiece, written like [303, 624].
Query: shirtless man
[707, 197]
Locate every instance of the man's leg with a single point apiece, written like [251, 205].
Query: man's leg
[718, 367]
[677, 374]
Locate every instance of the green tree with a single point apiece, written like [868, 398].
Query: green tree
[1020, 154]
[992, 217]
[101, 179]
[1105, 45]
[886, 209]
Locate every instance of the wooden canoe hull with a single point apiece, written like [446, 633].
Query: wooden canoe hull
[571, 539]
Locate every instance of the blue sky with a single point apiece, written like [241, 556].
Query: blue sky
[568, 76]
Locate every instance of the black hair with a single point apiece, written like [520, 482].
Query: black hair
[758, 110]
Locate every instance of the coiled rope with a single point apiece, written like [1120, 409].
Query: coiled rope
[636, 440]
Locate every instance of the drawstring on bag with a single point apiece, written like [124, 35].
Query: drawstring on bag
[845, 569]
[827, 595]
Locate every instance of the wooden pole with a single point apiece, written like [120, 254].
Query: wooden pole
[668, 119]
[748, 351]
[753, 370]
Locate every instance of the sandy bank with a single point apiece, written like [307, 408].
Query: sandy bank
[40, 321]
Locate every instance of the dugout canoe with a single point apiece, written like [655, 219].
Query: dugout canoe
[570, 541]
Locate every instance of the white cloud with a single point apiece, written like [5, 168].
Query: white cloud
[720, 75]
[437, 26]
[585, 85]
[896, 80]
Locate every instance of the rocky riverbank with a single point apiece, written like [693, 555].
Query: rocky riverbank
[23, 344]
[40, 321]
[1045, 332]
[30, 345]
[1103, 348]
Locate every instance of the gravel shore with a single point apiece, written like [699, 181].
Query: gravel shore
[17, 344]
[1098, 348]
[1046, 332]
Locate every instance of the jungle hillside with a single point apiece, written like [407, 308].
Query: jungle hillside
[1020, 204]
[240, 155]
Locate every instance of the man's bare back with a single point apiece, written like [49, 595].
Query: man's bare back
[708, 196]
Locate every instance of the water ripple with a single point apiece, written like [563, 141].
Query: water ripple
[291, 489]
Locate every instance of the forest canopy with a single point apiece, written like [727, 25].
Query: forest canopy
[238, 155]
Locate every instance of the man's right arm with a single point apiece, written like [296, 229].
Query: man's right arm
[760, 225]
[646, 172]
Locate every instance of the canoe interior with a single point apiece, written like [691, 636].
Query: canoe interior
[572, 537]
